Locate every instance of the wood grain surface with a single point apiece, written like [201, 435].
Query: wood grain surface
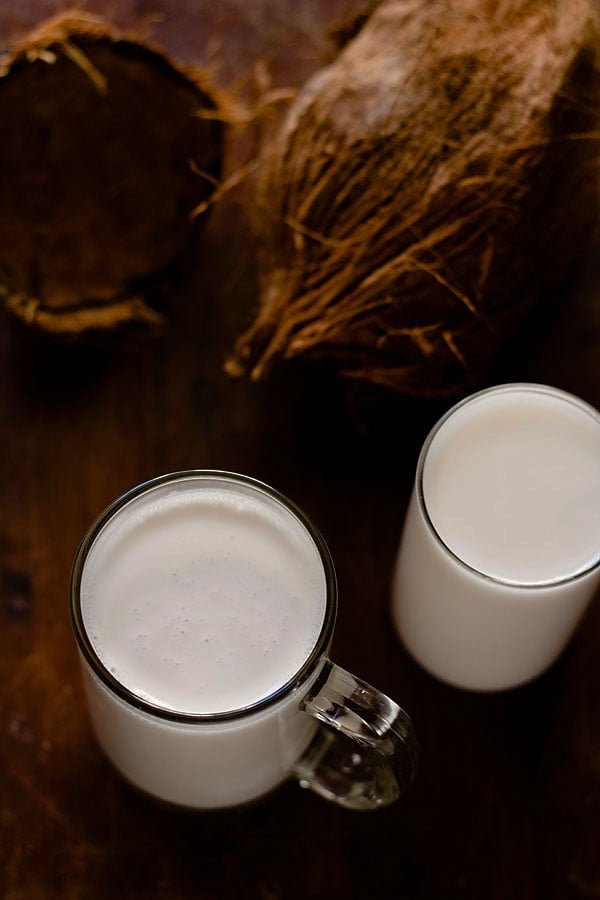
[506, 805]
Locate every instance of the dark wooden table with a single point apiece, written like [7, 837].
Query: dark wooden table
[506, 805]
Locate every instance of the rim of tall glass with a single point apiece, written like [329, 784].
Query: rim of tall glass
[309, 666]
[511, 387]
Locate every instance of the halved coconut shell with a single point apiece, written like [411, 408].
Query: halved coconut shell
[107, 148]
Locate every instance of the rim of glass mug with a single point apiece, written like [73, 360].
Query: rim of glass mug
[309, 666]
[509, 387]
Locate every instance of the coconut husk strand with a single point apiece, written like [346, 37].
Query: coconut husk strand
[108, 146]
[426, 189]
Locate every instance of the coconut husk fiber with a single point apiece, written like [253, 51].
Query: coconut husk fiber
[426, 189]
[107, 148]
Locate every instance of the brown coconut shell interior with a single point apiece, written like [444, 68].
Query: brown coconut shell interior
[106, 150]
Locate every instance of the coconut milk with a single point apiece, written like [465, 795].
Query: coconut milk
[502, 540]
[202, 597]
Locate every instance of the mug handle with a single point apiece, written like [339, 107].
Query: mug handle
[364, 755]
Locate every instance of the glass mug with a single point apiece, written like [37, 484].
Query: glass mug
[233, 741]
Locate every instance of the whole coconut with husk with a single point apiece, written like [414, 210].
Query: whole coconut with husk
[426, 189]
[108, 146]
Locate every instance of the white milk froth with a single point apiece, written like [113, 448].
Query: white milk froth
[203, 599]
